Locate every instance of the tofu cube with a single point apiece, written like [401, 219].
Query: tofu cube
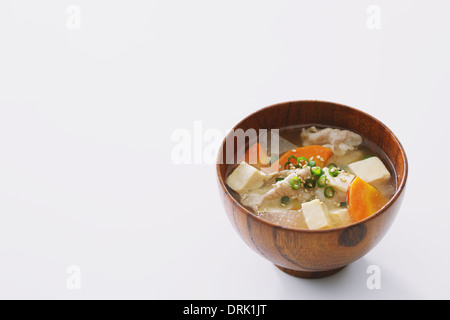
[341, 182]
[314, 213]
[340, 217]
[371, 170]
[245, 178]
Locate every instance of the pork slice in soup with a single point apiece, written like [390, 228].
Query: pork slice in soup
[331, 178]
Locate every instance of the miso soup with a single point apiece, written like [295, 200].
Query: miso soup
[322, 178]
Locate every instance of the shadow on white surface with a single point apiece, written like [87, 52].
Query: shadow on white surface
[349, 283]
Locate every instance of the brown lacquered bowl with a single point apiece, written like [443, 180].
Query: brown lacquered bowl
[315, 253]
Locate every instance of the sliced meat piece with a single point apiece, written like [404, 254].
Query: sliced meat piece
[252, 200]
[340, 141]
[283, 188]
[279, 174]
[286, 218]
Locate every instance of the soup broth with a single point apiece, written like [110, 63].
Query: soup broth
[322, 178]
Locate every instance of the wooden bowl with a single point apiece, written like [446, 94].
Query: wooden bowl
[315, 253]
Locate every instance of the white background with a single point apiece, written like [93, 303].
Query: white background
[86, 121]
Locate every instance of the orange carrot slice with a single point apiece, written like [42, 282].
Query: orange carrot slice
[318, 153]
[363, 200]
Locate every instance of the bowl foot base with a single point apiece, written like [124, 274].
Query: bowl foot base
[310, 274]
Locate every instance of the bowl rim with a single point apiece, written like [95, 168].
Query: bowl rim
[398, 192]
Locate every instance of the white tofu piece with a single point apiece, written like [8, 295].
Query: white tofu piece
[245, 178]
[371, 170]
[341, 182]
[340, 217]
[314, 213]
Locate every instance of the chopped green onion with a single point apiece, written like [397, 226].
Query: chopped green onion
[310, 183]
[312, 163]
[332, 165]
[316, 171]
[329, 192]
[285, 200]
[288, 164]
[367, 157]
[300, 159]
[291, 157]
[279, 179]
[334, 172]
[322, 181]
[343, 204]
[295, 183]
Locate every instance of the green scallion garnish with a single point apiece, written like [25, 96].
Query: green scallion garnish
[291, 157]
[316, 171]
[285, 200]
[300, 159]
[310, 183]
[295, 183]
[334, 172]
[343, 204]
[329, 192]
[322, 181]
[279, 179]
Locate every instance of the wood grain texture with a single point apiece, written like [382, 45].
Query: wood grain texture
[315, 253]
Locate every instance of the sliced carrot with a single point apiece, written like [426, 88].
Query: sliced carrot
[256, 155]
[363, 200]
[318, 153]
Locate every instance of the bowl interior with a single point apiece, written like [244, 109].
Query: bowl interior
[324, 114]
